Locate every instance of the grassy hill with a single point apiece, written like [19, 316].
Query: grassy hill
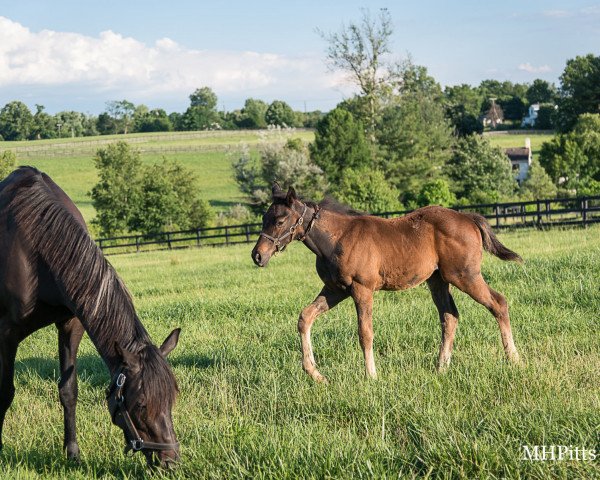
[247, 410]
[209, 154]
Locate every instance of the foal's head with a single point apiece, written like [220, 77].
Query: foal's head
[282, 223]
[141, 398]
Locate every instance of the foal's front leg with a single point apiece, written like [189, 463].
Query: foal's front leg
[69, 337]
[326, 300]
[363, 300]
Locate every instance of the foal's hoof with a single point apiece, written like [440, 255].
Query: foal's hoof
[514, 358]
[317, 377]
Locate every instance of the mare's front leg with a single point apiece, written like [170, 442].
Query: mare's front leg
[363, 300]
[326, 300]
[69, 337]
[9, 342]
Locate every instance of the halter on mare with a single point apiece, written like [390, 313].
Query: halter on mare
[116, 406]
[293, 228]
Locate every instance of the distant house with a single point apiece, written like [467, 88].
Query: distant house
[529, 120]
[520, 159]
[494, 116]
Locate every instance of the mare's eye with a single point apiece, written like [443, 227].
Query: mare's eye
[279, 223]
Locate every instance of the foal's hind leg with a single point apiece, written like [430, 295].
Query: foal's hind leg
[326, 300]
[440, 292]
[8, 352]
[69, 337]
[363, 300]
[495, 302]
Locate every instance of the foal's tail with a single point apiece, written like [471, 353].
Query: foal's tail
[490, 241]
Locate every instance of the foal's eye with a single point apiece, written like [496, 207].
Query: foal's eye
[279, 223]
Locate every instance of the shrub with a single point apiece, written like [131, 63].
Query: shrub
[8, 162]
[368, 190]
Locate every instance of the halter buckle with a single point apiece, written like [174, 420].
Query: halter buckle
[137, 445]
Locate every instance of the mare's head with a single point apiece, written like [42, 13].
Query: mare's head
[282, 223]
[140, 400]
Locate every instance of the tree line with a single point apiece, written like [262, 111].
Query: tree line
[17, 122]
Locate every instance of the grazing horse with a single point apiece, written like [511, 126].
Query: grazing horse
[51, 271]
[358, 254]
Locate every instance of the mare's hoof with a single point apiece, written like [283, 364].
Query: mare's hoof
[73, 454]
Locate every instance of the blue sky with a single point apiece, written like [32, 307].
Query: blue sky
[77, 55]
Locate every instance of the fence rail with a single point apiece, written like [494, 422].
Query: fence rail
[536, 213]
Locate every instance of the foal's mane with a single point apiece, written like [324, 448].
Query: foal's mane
[328, 203]
[96, 294]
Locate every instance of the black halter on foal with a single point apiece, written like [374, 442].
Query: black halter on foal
[292, 230]
[116, 406]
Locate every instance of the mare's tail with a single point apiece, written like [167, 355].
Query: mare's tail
[490, 241]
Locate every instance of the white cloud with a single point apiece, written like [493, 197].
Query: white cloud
[528, 67]
[557, 13]
[114, 63]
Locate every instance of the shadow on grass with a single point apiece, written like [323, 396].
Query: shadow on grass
[55, 463]
[225, 204]
[90, 368]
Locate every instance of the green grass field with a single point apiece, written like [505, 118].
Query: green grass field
[211, 156]
[246, 408]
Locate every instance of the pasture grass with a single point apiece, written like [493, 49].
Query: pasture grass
[246, 408]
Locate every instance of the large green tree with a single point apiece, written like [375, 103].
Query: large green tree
[43, 124]
[480, 172]
[202, 113]
[253, 114]
[280, 114]
[16, 121]
[116, 195]
[168, 200]
[415, 139]
[339, 144]
[541, 91]
[367, 189]
[579, 90]
[573, 159]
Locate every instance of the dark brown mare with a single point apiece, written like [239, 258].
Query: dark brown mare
[51, 271]
[358, 254]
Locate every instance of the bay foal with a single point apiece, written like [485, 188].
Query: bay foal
[358, 254]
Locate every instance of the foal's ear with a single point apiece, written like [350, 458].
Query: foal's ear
[291, 196]
[131, 360]
[276, 189]
[170, 342]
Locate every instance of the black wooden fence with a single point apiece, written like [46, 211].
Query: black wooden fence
[537, 213]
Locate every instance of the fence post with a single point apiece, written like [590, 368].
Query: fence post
[169, 240]
[198, 237]
[497, 213]
[226, 235]
[137, 244]
[247, 234]
[584, 206]
[100, 245]
[539, 213]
